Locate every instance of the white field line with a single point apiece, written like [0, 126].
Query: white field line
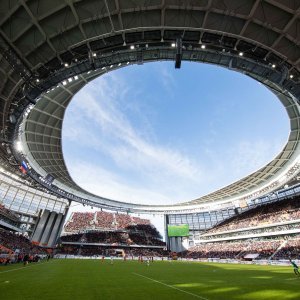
[23, 268]
[170, 286]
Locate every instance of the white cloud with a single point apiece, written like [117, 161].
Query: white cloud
[129, 147]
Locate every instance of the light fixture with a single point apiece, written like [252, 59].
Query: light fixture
[64, 82]
[273, 66]
[203, 47]
[119, 64]
[94, 54]
[127, 63]
[37, 80]
[291, 76]
[132, 47]
[76, 77]
[66, 64]
[111, 66]
[173, 45]
[18, 146]
[241, 53]
[70, 79]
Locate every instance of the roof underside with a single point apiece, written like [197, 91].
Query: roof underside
[37, 37]
[43, 136]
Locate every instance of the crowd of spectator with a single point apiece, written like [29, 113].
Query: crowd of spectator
[230, 250]
[122, 220]
[146, 235]
[16, 242]
[108, 251]
[76, 237]
[145, 228]
[253, 231]
[80, 220]
[140, 221]
[102, 220]
[276, 212]
[291, 249]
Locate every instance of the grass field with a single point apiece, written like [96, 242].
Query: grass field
[93, 279]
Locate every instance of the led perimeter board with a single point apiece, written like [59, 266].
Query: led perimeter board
[178, 230]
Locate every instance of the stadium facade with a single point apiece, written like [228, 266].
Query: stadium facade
[52, 49]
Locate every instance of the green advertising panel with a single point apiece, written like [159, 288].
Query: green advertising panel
[178, 230]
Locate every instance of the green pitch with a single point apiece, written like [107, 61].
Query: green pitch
[93, 279]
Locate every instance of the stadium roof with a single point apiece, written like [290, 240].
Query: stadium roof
[51, 49]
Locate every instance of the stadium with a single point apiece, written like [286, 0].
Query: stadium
[238, 242]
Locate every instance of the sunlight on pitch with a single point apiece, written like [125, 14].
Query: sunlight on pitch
[224, 289]
[195, 284]
[271, 294]
[262, 277]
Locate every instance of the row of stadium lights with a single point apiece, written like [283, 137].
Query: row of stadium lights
[173, 45]
[94, 54]
[132, 47]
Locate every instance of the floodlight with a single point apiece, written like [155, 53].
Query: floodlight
[241, 54]
[203, 46]
[132, 47]
[173, 45]
[273, 66]
[18, 146]
[66, 64]
[291, 76]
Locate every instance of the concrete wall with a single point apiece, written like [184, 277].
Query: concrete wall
[48, 228]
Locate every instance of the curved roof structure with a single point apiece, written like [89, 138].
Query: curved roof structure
[51, 49]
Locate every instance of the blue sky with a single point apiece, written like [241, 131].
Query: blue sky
[152, 134]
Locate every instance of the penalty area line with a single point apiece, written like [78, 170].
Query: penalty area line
[170, 286]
